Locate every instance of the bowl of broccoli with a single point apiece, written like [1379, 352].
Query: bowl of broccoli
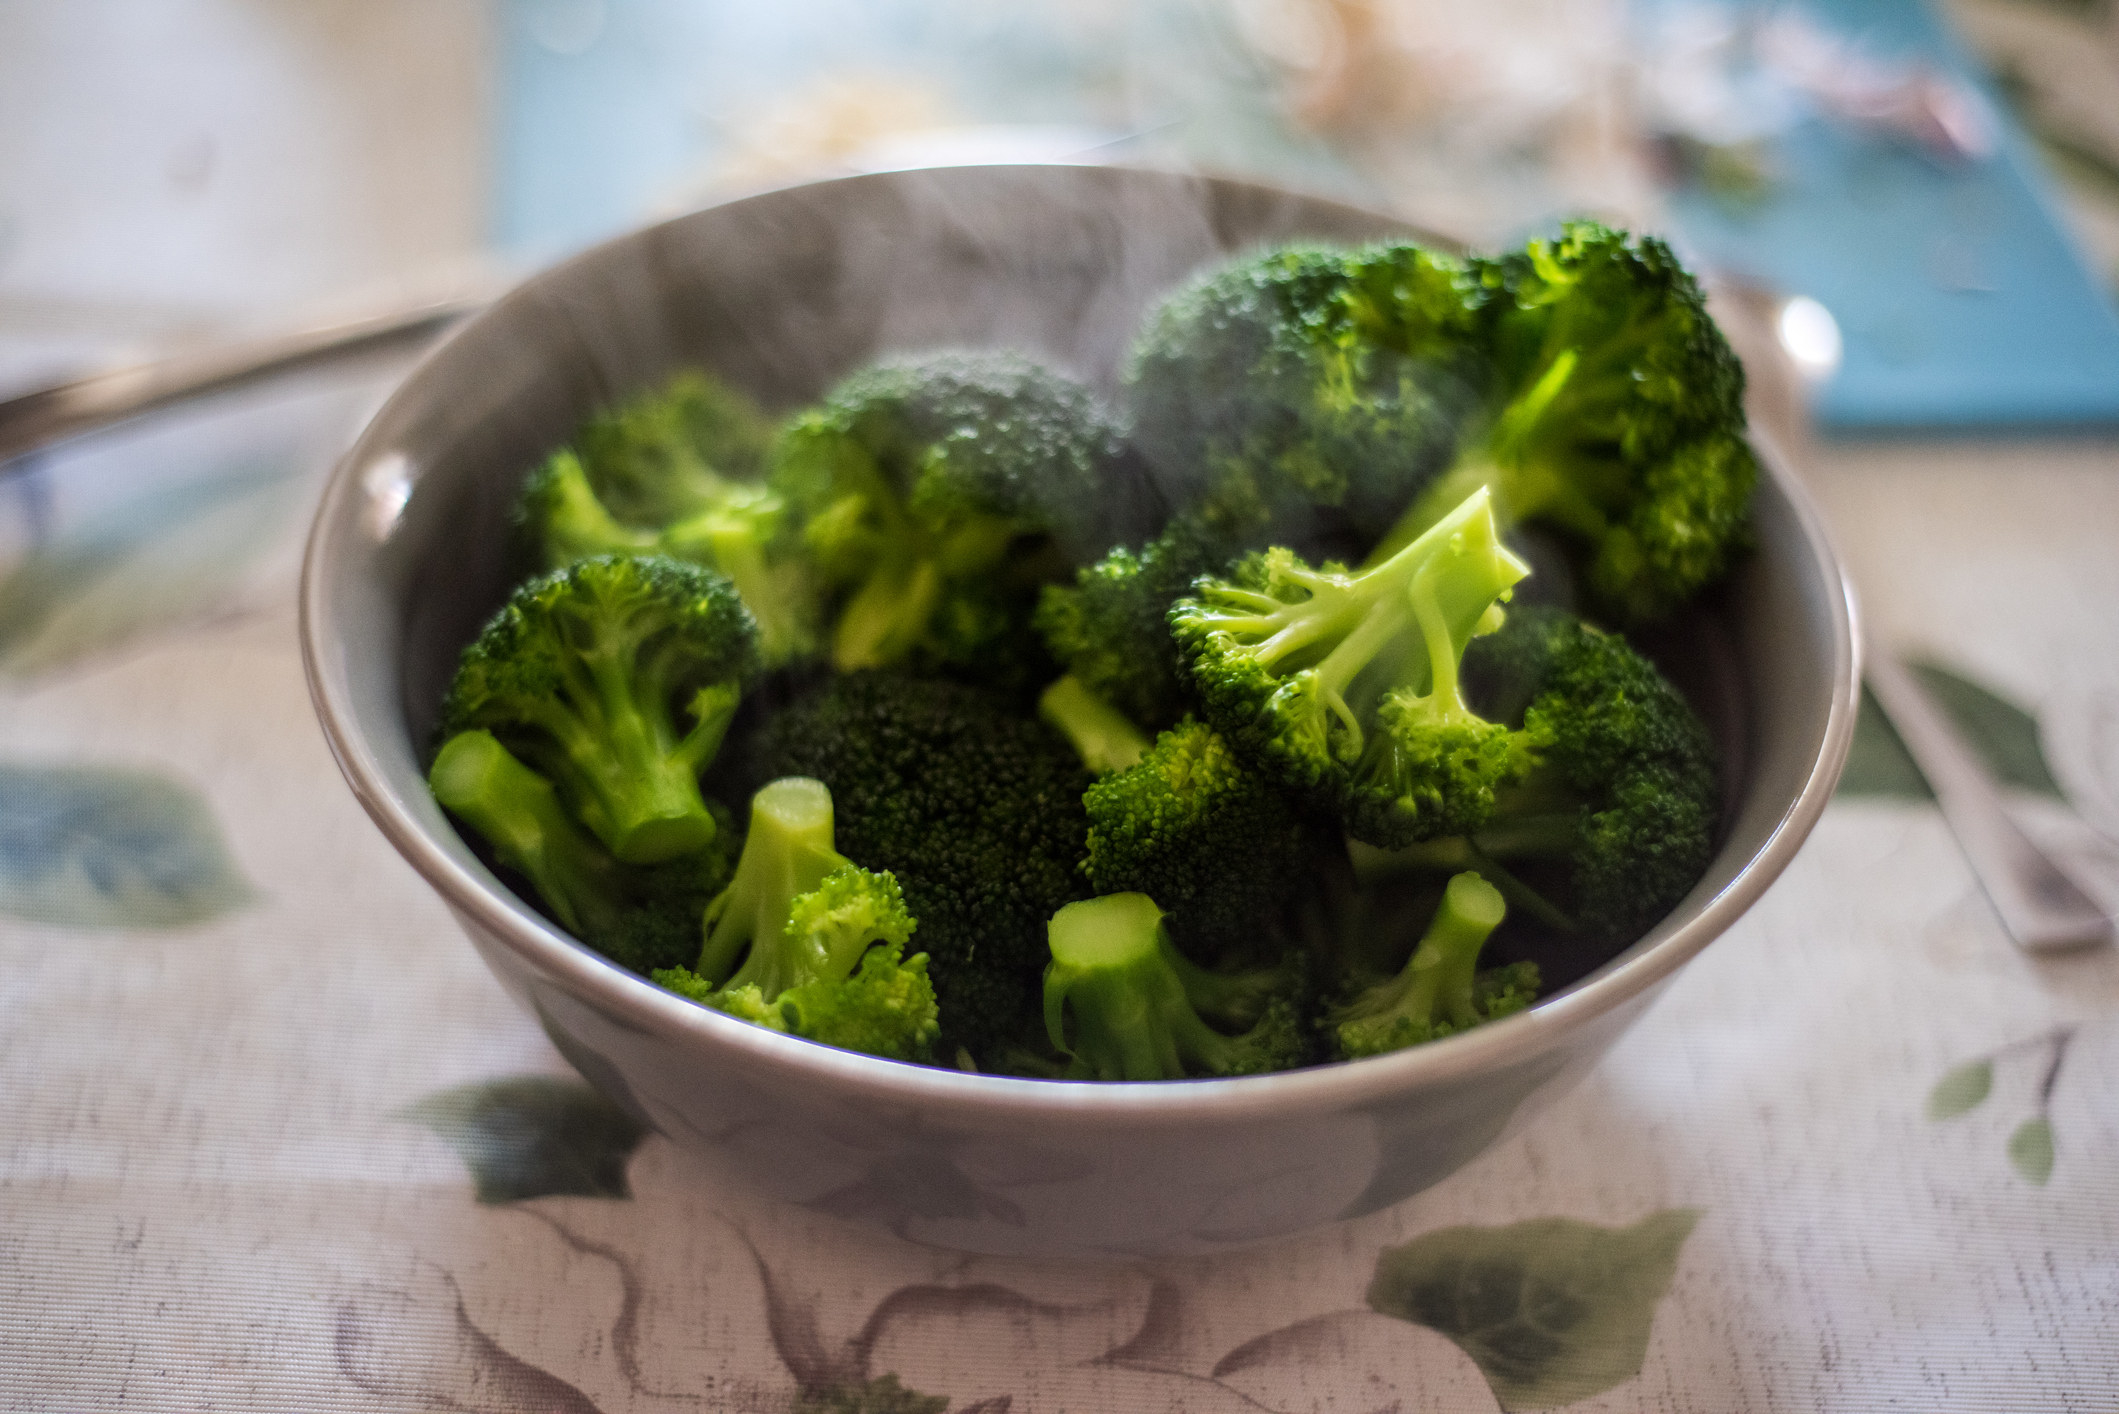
[1081, 711]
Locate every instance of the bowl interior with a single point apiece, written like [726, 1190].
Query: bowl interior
[783, 293]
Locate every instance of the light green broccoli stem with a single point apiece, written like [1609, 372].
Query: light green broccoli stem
[575, 523]
[517, 812]
[1509, 459]
[1444, 586]
[1527, 837]
[1102, 735]
[887, 616]
[787, 853]
[1433, 994]
[1115, 971]
[733, 535]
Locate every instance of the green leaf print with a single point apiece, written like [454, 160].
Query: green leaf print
[110, 847]
[2004, 735]
[1961, 1090]
[1551, 1310]
[2031, 1149]
[534, 1135]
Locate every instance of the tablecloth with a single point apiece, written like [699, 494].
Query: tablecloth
[271, 1137]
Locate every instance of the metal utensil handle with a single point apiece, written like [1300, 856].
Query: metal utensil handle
[68, 409]
[2043, 909]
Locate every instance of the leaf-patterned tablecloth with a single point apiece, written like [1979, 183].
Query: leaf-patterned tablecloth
[271, 1138]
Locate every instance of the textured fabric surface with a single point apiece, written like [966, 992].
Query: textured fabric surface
[270, 1136]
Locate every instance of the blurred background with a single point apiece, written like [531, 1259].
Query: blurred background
[1942, 184]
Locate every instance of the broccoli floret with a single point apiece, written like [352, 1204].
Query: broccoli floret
[806, 941]
[937, 496]
[1101, 734]
[615, 679]
[1196, 828]
[641, 917]
[1440, 991]
[975, 809]
[667, 454]
[675, 473]
[1615, 417]
[1345, 687]
[1110, 628]
[1307, 384]
[1624, 798]
[1138, 1008]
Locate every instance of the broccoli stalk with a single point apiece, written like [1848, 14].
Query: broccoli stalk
[1439, 991]
[518, 813]
[1102, 736]
[616, 679]
[805, 941]
[641, 918]
[1346, 686]
[1136, 1003]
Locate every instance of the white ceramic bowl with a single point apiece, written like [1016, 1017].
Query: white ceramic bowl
[783, 293]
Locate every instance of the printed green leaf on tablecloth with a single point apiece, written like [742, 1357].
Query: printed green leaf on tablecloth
[1961, 1089]
[111, 847]
[2004, 735]
[533, 1136]
[2031, 1149]
[1552, 1310]
[148, 562]
[878, 1396]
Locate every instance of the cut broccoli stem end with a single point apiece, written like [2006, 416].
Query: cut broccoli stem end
[518, 813]
[1115, 972]
[1105, 739]
[788, 852]
[1433, 994]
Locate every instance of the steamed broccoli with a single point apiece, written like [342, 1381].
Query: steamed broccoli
[1440, 991]
[1110, 628]
[1622, 803]
[676, 473]
[641, 917]
[1616, 417]
[615, 679]
[1199, 830]
[1345, 687]
[806, 941]
[1138, 1009]
[936, 497]
[1581, 379]
[975, 809]
[1308, 386]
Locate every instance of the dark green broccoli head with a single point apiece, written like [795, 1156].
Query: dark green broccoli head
[1110, 628]
[1616, 418]
[1345, 687]
[1124, 1004]
[975, 809]
[614, 678]
[1307, 382]
[936, 496]
[1204, 834]
[1626, 792]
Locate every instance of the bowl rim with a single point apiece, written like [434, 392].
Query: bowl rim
[635, 1002]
